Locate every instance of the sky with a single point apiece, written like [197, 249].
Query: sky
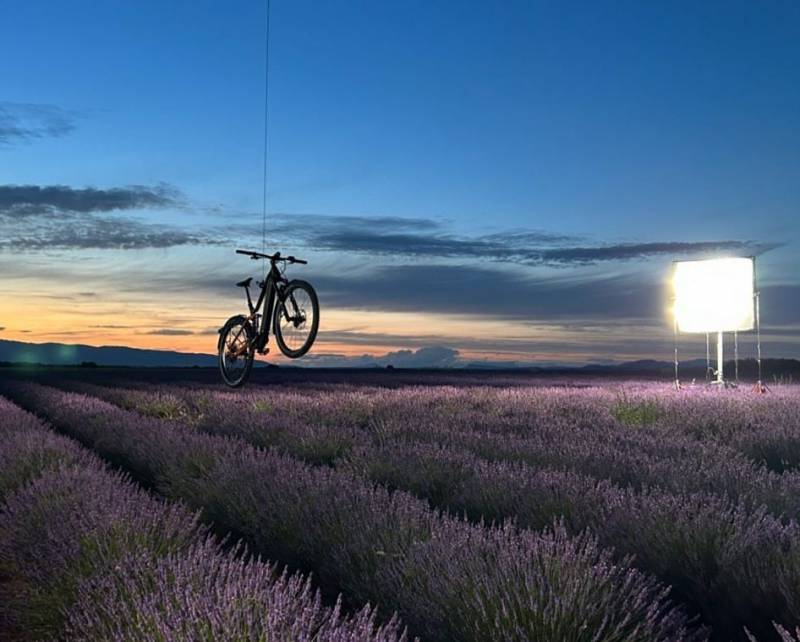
[470, 182]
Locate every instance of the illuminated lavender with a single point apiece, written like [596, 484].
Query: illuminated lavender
[699, 486]
[448, 579]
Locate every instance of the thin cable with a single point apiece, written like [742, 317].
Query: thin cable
[266, 138]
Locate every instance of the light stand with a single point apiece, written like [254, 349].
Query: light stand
[675, 346]
[715, 296]
[720, 380]
[760, 388]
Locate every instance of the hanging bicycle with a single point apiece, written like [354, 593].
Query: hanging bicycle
[291, 307]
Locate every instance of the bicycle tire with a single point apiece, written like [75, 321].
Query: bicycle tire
[235, 321]
[296, 353]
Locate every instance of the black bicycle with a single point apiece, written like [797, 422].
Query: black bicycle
[292, 308]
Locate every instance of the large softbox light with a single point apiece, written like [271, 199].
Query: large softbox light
[715, 295]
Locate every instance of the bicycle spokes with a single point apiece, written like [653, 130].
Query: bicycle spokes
[293, 313]
[236, 346]
[295, 322]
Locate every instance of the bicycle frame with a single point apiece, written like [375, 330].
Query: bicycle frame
[272, 287]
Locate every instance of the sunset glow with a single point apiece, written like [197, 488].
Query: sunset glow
[517, 202]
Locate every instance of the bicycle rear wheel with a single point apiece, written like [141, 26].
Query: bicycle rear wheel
[236, 351]
[296, 319]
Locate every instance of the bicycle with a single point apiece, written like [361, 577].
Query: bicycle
[291, 306]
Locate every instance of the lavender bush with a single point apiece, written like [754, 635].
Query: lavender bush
[546, 428]
[696, 540]
[85, 552]
[28, 450]
[201, 595]
[381, 546]
[73, 523]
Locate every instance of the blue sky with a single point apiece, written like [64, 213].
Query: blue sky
[405, 138]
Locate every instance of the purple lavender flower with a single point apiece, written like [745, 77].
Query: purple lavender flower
[379, 546]
[85, 554]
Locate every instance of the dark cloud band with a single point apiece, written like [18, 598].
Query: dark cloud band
[425, 238]
[486, 292]
[34, 200]
[60, 217]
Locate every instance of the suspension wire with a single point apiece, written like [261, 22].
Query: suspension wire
[736, 356]
[266, 137]
[708, 357]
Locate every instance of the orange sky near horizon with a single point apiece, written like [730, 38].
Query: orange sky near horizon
[162, 300]
[190, 325]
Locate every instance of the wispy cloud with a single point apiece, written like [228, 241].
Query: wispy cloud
[628, 251]
[430, 239]
[434, 356]
[60, 217]
[171, 332]
[23, 122]
[313, 225]
[99, 234]
[36, 200]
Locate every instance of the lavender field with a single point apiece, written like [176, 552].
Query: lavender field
[462, 509]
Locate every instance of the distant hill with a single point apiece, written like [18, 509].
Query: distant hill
[65, 354]
[60, 354]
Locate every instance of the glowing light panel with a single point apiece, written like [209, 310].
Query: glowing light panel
[715, 295]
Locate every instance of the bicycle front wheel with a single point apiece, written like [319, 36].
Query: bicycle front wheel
[296, 319]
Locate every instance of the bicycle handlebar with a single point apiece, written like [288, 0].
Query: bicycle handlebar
[272, 257]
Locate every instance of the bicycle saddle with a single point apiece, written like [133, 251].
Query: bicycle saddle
[245, 283]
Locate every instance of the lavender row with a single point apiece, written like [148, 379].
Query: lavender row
[88, 556]
[448, 579]
[631, 522]
[696, 543]
[582, 435]
[736, 568]
[732, 417]
[28, 449]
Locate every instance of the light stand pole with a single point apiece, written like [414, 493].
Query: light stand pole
[720, 380]
[675, 346]
[759, 387]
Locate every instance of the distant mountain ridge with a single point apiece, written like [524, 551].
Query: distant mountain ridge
[60, 354]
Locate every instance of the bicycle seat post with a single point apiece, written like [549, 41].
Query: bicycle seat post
[249, 300]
